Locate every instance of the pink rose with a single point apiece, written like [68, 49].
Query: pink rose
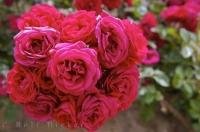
[122, 83]
[79, 26]
[88, 5]
[65, 114]
[41, 108]
[112, 41]
[21, 85]
[95, 109]
[153, 57]
[138, 43]
[41, 15]
[74, 67]
[32, 45]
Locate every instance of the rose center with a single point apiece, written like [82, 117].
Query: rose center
[36, 46]
[74, 70]
[112, 46]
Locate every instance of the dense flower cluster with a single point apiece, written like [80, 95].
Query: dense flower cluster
[79, 69]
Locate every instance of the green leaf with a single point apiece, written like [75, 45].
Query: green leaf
[161, 78]
[186, 51]
[147, 72]
[177, 78]
[188, 90]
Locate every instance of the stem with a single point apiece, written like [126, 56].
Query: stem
[177, 115]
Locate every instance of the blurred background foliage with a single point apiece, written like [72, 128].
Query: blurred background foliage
[171, 86]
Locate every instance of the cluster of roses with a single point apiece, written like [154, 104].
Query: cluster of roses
[96, 5]
[183, 12]
[79, 69]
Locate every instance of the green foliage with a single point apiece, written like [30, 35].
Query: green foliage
[177, 77]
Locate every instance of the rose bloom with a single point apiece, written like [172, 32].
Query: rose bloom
[147, 23]
[32, 45]
[43, 80]
[111, 4]
[21, 85]
[74, 67]
[95, 109]
[65, 114]
[112, 41]
[137, 43]
[153, 57]
[122, 83]
[8, 2]
[12, 20]
[79, 26]
[88, 5]
[41, 108]
[41, 15]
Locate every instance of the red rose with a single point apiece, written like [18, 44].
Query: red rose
[39, 16]
[32, 45]
[111, 4]
[147, 23]
[12, 20]
[95, 109]
[88, 5]
[41, 108]
[79, 26]
[137, 42]
[21, 85]
[122, 83]
[112, 41]
[74, 68]
[43, 80]
[65, 114]
[175, 2]
[8, 2]
[186, 15]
